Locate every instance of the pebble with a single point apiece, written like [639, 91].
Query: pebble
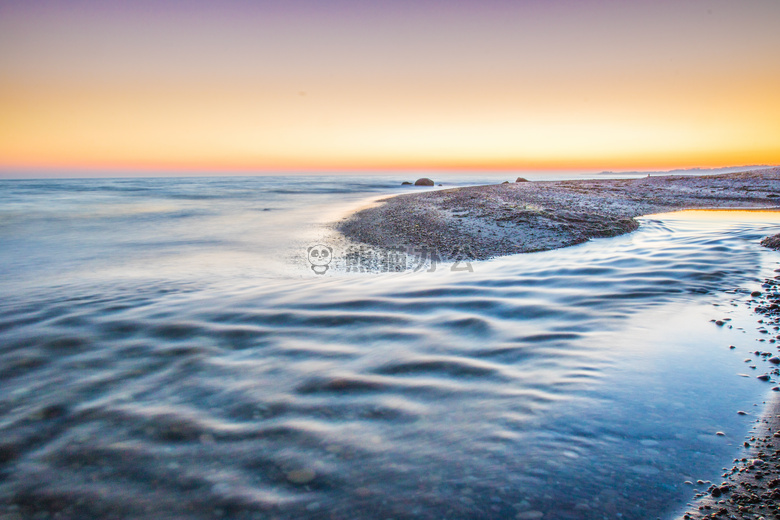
[301, 476]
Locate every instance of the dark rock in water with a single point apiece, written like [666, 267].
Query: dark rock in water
[755, 293]
[424, 182]
[772, 242]
[440, 184]
[775, 360]
[406, 183]
[505, 182]
[54, 411]
[522, 179]
[763, 377]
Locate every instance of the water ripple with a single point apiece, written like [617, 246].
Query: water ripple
[488, 395]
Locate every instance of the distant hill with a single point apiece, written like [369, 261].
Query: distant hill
[691, 171]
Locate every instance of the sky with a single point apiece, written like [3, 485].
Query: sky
[343, 85]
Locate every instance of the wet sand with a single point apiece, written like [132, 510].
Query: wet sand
[481, 222]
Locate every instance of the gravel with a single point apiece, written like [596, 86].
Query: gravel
[481, 222]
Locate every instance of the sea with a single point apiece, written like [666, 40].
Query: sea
[210, 347]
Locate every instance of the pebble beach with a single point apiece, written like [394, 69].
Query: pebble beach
[751, 485]
[481, 222]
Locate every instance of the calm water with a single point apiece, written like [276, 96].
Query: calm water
[167, 351]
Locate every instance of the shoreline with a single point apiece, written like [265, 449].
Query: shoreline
[487, 221]
[482, 222]
[751, 486]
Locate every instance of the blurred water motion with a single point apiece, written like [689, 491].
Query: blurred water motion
[161, 353]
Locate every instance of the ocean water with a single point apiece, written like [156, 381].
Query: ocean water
[167, 350]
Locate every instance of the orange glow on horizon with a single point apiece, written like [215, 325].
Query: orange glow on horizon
[522, 88]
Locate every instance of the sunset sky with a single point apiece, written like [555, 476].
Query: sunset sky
[395, 84]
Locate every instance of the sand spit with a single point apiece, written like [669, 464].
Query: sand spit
[486, 221]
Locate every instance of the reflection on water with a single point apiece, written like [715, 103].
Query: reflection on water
[578, 383]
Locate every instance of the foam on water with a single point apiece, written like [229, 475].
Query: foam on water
[578, 383]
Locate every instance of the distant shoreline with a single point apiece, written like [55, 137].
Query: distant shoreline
[482, 222]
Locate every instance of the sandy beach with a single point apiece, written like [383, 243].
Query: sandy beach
[487, 221]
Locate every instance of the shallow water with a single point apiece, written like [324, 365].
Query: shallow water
[165, 349]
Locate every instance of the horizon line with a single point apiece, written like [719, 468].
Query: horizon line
[16, 172]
